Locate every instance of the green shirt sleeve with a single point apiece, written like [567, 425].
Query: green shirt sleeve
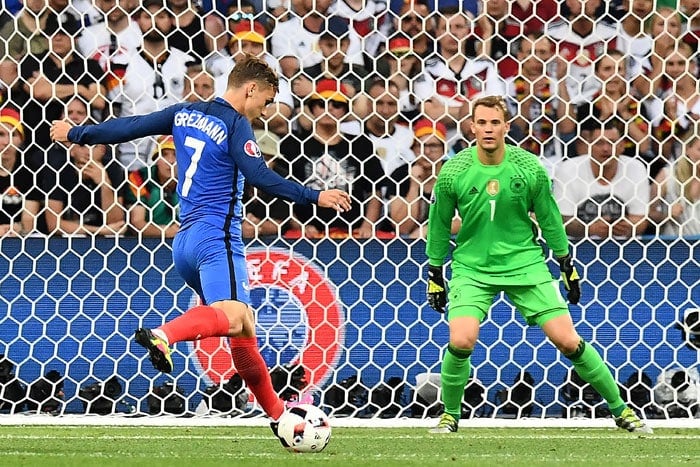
[548, 215]
[440, 215]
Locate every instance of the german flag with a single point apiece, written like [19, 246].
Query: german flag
[137, 185]
[115, 76]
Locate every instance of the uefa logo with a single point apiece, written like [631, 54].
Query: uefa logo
[298, 317]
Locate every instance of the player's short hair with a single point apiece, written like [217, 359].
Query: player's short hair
[494, 102]
[252, 68]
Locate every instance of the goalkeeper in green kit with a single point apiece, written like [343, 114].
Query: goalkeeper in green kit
[495, 187]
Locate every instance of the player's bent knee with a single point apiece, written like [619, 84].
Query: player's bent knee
[238, 315]
[464, 331]
[462, 342]
[568, 345]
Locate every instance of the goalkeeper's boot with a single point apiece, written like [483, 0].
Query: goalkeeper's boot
[629, 421]
[447, 424]
[158, 349]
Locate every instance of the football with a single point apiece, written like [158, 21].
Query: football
[304, 428]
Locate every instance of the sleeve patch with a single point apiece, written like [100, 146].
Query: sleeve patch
[251, 148]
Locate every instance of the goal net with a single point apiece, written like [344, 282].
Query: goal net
[343, 321]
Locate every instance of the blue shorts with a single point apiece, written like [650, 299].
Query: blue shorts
[212, 262]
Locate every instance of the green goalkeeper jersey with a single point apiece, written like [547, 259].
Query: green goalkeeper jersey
[497, 242]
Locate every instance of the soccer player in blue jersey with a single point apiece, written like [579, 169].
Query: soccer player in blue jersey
[216, 152]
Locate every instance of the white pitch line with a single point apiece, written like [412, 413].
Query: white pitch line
[308, 459]
[614, 434]
[210, 421]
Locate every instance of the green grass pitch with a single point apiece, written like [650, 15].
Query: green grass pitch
[120, 446]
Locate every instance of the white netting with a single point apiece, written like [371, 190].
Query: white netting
[340, 303]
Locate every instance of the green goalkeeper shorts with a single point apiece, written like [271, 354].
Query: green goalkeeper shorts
[536, 303]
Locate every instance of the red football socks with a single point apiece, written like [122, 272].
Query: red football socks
[252, 368]
[196, 323]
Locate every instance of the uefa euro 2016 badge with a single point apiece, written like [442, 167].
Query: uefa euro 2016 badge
[493, 187]
[298, 308]
[251, 148]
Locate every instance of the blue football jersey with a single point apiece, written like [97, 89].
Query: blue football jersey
[216, 153]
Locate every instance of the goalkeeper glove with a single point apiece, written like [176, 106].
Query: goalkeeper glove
[570, 278]
[437, 295]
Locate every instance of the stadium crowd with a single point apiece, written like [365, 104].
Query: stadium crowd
[374, 96]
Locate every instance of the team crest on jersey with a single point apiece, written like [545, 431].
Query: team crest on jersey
[493, 187]
[517, 184]
[251, 148]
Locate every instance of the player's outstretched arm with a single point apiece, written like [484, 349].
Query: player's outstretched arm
[116, 130]
[335, 199]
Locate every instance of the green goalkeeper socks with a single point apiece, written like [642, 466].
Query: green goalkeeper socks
[453, 379]
[591, 368]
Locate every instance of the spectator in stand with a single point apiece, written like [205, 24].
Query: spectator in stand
[240, 12]
[224, 8]
[328, 157]
[369, 20]
[21, 200]
[9, 10]
[55, 76]
[86, 12]
[632, 39]
[665, 28]
[450, 79]
[534, 14]
[617, 100]
[604, 194]
[84, 185]
[151, 196]
[24, 36]
[278, 11]
[249, 38]
[679, 101]
[221, 23]
[392, 142]
[188, 33]
[581, 36]
[266, 214]
[468, 6]
[501, 23]
[413, 181]
[333, 43]
[416, 22]
[112, 40]
[538, 102]
[12, 91]
[153, 79]
[294, 42]
[199, 84]
[402, 67]
[676, 193]
[690, 11]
